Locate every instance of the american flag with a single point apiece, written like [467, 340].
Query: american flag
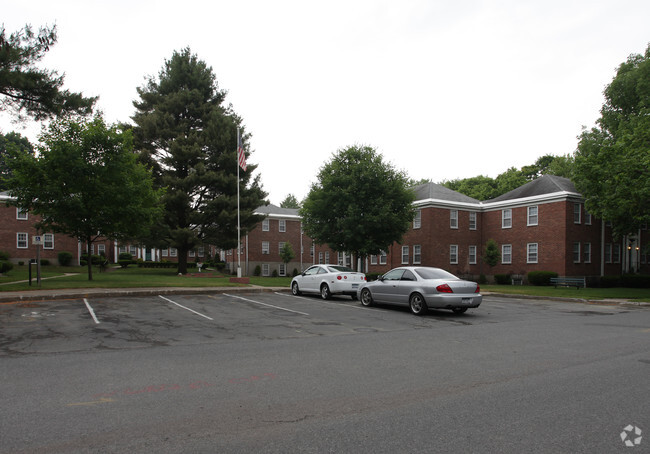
[241, 154]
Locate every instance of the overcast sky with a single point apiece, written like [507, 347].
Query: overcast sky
[443, 89]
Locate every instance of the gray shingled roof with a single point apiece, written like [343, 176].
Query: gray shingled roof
[546, 184]
[276, 210]
[439, 192]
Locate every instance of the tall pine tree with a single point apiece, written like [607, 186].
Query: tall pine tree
[189, 138]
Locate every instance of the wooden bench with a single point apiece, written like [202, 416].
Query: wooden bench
[576, 282]
[517, 279]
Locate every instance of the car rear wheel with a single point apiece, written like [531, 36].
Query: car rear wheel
[417, 304]
[459, 310]
[366, 297]
[295, 289]
[325, 292]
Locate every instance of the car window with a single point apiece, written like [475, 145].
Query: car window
[340, 268]
[393, 275]
[434, 273]
[312, 270]
[322, 270]
[408, 276]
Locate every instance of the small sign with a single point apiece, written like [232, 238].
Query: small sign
[37, 239]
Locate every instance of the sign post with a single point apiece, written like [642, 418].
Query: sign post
[37, 240]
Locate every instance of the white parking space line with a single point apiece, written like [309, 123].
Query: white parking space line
[186, 308]
[92, 312]
[264, 304]
[355, 306]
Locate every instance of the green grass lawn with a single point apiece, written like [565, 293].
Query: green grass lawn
[54, 277]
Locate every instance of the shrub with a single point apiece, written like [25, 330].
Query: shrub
[45, 262]
[274, 273]
[610, 281]
[541, 277]
[636, 280]
[482, 279]
[295, 272]
[372, 276]
[65, 258]
[5, 266]
[257, 271]
[4, 256]
[502, 279]
[124, 263]
[125, 256]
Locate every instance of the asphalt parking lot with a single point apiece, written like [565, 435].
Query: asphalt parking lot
[271, 372]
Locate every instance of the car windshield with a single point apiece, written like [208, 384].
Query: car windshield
[339, 269]
[434, 273]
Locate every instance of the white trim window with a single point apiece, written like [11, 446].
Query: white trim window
[577, 213]
[472, 220]
[280, 246]
[506, 218]
[608, 253]
[265, 225]
[173, 252]
[587, 218]
[133, 251]
[327, 257]
[453, 219]
[21, 214]
[587, 252]
[282, 225]
[616, 255]
[101, 249]
[373, 259]
[453, 254]
[320, 258]
[383, 258]
[266, 247]
[266, 270]
[192, 253]
[48, 241]
[164, 252]
[21, 240]
[417, 254]
[506, 254]
[201, 251]
[405, 255]
[472, 255]
[417, 219]
[282, 269]
[533, 215]
[576, 252]
[532, 255]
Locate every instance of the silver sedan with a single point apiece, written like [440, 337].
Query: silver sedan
[422, 288]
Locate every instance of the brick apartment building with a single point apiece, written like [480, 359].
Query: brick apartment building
[541, 225]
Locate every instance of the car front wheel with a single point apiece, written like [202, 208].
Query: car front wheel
[325, 292]
[366, 297]
[294, 289]
[417, 304]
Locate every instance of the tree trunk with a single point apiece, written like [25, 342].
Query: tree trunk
[182, 260]
[90, 259]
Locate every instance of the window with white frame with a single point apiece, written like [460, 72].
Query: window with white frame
[201, 251]
[405, 255]
[533, 252]
[173, 252]
[472, 255]
[506, 254]
[576, 252]
[312, 250]
[281, 246]
[265, 225]
[417, 254]
[192, 253]
[453, 254]
[48, 241]
[608, 253]
[472, 220]
[266, 270]
[577, 213]
[164, 252]
[453, 219]
[282, 225]
[320, 257]
[101, 250]
[587, 218]
[327, 257]
[21, 214]
[121, 249]
[532, 215]
[339, 258]
[383, 258]
[373, 259]
[265, 247]
[21, 240]
[587, 252]
[133, 251]
[616, 254]
[417, 220]
[282, 271]
[506, 218]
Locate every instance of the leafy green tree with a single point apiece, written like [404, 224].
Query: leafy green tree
[189, 137]
[290, 201]
[85, 183]
[492, 254]
[612, 164]
[480, 187]
[286, 253]
[15, 142]
[360, 204]
[26, 88]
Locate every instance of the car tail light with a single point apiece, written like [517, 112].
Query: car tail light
[338, 277]
[478, 288]
[444, 288]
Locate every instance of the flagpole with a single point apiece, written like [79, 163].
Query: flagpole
[238, 219]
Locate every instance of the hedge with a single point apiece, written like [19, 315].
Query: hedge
[541, 277]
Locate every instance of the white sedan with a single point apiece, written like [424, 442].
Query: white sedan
[328, 280]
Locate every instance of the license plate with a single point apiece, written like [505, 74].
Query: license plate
[355, 285]
[466, 301]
